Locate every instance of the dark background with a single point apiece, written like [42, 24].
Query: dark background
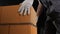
[16, 2]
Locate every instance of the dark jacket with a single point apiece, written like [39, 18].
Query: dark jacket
[51, 5]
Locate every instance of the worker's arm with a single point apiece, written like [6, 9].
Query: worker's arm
[39, 9]
[24, 9]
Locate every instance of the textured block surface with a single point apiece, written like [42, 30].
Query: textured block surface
[9, 14]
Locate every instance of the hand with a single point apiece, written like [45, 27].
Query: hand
[24, 9]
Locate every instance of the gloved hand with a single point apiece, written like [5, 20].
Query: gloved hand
[24, 9]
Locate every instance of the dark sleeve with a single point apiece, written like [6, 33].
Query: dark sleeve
[45, 3]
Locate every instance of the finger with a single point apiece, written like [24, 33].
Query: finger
[20, 8]
[25, 11]
[28, 11]
[22, 11]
